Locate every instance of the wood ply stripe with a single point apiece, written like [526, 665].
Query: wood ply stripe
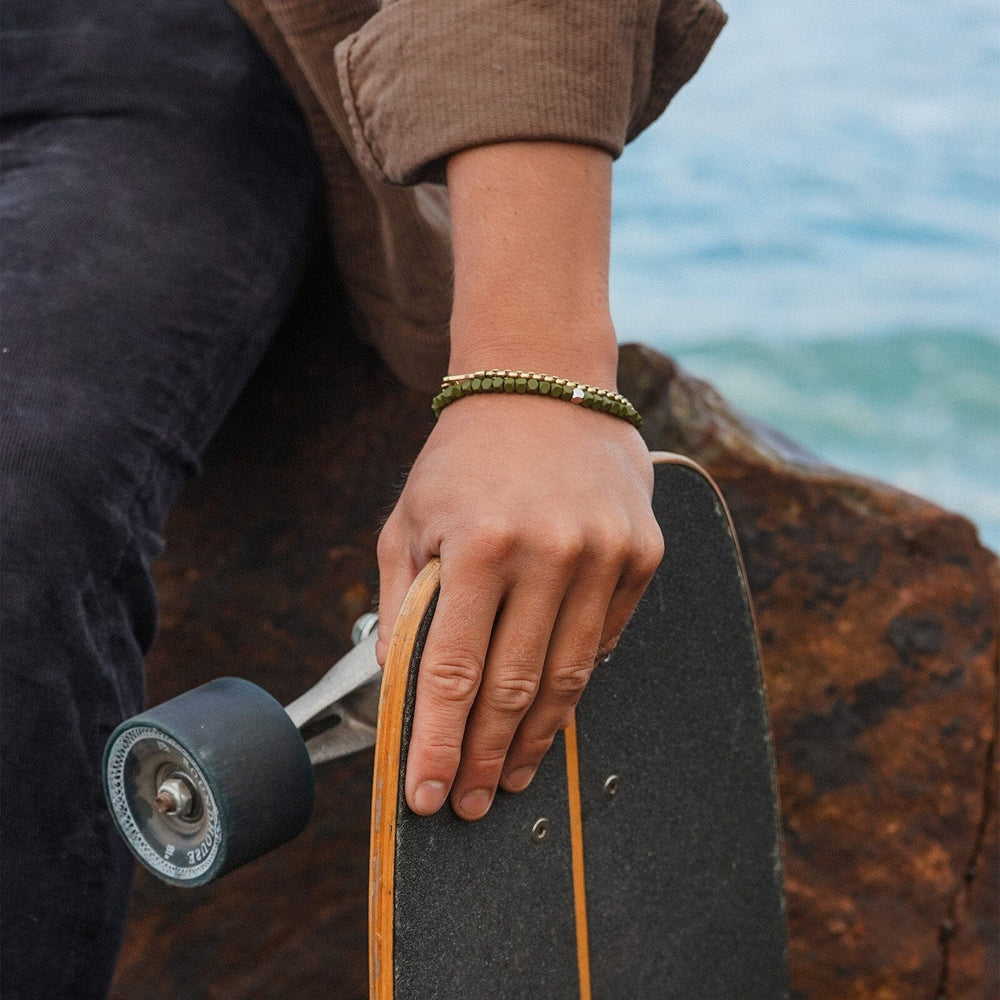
[579, 871]
[385, 780]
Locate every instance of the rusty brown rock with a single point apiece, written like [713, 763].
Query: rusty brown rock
[878, 615]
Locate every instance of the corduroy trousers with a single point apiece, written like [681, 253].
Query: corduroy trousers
[159, 203]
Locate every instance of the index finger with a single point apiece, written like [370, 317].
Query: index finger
[451, 669]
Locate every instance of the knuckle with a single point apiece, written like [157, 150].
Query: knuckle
[389, 545]
[513, 694]
[611, 544]
[492, 541]
[564, 547]
[648, 553]
[531, 749]
[484, 763]
[454, 678]
[571, 679]
[441, 753]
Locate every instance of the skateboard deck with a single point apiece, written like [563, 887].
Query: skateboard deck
[644, 860]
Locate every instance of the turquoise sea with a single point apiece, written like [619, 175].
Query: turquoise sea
[814, 226]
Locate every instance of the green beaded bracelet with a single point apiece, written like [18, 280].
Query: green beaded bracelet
[501, 380]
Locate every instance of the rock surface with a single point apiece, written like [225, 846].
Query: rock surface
[878, 615]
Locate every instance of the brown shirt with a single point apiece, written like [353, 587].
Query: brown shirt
[391, 90]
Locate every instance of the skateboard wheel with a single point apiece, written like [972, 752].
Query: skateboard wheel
[208, 781]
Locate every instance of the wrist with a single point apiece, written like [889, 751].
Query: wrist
[528, 383]
[583, 350]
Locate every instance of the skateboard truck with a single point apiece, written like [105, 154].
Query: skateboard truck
[336, 716]
[222, 774]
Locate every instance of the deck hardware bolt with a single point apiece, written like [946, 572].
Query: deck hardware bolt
[540, 830]
[364, 627]
[611, 786]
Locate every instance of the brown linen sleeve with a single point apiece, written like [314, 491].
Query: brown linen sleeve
[423, 79]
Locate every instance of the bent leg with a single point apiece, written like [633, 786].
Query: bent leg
[159, 204]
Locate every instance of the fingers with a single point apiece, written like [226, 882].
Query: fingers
[513, 670]
[397, 570]
[569, 662]
[593, 616]
[449, 680]
[639, 570]
[505, 664]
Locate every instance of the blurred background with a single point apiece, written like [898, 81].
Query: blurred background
[814, 226]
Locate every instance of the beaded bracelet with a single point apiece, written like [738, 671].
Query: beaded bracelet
[500, 380]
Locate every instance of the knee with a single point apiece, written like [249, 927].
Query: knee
[63, 493]
[82, 513]
[80, 605]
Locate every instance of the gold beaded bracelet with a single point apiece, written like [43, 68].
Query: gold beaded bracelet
[500, 380]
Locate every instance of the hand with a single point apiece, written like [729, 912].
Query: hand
[540, 513]
[538, 509]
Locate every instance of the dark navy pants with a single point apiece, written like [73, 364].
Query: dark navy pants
[160, 199]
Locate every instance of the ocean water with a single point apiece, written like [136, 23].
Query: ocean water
[814, 226]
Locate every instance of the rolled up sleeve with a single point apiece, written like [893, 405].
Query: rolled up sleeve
[423, 79]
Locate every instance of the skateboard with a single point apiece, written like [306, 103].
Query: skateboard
[644, 860]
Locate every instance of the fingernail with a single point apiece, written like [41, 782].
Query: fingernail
[429, 797]
[518, 781]
[476, 803]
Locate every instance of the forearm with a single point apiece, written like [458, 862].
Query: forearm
[531, 231]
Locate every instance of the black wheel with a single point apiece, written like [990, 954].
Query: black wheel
[208, 781]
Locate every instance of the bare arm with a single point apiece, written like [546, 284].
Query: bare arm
[538, 509]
